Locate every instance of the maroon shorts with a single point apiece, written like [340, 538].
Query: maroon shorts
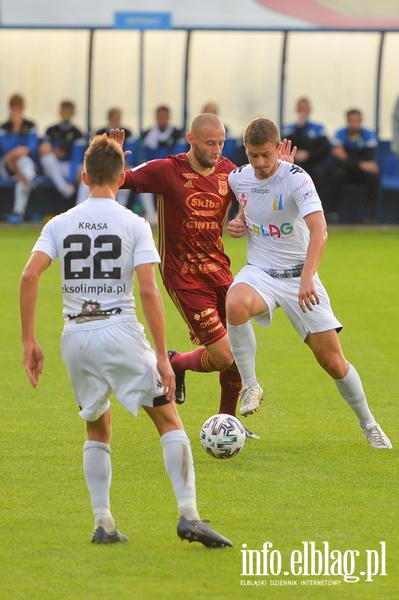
[204, 311]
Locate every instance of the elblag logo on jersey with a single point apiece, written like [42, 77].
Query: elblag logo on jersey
[278, 202]
[270, 231]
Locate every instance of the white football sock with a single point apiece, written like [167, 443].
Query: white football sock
[243, 346]
[351, 389]
[179, 465]
[98, 473]
[52, 170]
[21, 197]
[26, 166]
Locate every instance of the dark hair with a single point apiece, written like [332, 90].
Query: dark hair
[16, 100]
[353, 111]
[67, 104]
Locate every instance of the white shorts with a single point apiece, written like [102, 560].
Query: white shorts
[284, 293]
[116, 358]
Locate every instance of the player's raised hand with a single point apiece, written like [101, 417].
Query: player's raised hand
[285, 152]
[119, 136]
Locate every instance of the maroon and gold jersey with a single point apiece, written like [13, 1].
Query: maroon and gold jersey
[192, 210]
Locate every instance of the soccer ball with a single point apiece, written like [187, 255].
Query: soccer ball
[222, 436]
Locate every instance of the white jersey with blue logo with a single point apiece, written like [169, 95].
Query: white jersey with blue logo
[274, 210]
[99, 243]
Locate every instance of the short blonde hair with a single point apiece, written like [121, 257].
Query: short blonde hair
[103, 160]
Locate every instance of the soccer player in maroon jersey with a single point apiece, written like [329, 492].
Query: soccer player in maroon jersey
[193, 198]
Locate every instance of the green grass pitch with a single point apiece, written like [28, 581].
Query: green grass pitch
[311, 477]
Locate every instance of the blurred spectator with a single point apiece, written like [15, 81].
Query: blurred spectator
[158, 142]
[162, 134]
[213, 108]
[18, 151]
[114, 118]
[313, 145]
[354, 162]
[56, 149]
[114, 121]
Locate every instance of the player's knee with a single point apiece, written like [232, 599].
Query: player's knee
[335, 365]
[45, 148]
[222, 360]
[18, 152]
[237, 308]
[165, 417]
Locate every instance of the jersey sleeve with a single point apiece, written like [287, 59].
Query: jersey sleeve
[147, 177]
[304, 192]
[46, 242]
[144, 248]
[232, 180]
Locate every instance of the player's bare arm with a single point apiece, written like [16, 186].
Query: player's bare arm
[151, 301]
[32, 353]
[307, 296]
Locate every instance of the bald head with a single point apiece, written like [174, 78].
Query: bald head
[205, 121]
[206, 138]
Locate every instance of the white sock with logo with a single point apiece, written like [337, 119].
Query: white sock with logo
[179, 465]
[243, 346]
[98, 473]
[351, 389]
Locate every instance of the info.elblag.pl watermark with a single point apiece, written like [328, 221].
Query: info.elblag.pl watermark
[312, 563]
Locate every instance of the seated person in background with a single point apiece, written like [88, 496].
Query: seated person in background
[18, 148]
[162, 134]
[56, 148]
[313, 146]
[354, 161]
[114, 118]
[213, 108]
[114, 121]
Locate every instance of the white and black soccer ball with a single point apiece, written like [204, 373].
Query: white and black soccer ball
[222, 436]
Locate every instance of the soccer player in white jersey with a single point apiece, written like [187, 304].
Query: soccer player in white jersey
[282, 216]
[101, 246]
